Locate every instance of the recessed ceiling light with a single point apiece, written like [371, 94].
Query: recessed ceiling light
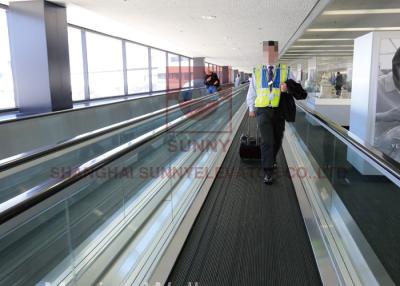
[324, 39]
[209, 17]
[362, 12]
[354, 29]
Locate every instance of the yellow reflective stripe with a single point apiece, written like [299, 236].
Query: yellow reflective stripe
[284, 73]
[277, 97]
[258, 77]
[262, 101]
[263, 91]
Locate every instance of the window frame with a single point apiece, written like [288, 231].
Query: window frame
[124, 41]
[84, 30]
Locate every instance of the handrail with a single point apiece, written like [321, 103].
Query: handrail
[388, 164]
[25, 157]
[35, 195]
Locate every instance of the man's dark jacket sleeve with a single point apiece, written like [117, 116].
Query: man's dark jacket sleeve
[296, 90]
[287, 107]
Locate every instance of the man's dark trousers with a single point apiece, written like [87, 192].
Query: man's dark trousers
[271, 125]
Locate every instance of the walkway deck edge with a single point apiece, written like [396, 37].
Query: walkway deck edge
[332, 268]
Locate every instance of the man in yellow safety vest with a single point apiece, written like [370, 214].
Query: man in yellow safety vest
[263, 97]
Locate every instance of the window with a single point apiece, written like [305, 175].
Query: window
[174, 75]
[7, 99]
[158, 70]
[137, 63]
[185, 72]
[106, 77]
[76, 64]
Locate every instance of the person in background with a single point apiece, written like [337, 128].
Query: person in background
[338, 84]
[250, 78]
[237, 80]
[211, 81]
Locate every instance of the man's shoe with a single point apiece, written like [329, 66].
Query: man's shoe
[268, 179]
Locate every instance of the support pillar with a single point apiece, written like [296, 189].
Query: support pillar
[198, 72]
[225, 74]
[40, 56]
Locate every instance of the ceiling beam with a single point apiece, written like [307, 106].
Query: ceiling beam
[318, 8]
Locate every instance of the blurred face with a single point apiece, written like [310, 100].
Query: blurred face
[209, 72]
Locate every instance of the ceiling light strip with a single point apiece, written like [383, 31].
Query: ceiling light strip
[324, 39]
[292, 53]
[354, 29]
[362, 11]
[319, 54]
[322, 46]
[311, 51]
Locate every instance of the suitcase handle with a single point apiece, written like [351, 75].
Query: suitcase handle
[248, 128]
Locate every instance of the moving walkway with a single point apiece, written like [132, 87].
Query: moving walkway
[24, 171]
[64, 229]
[175, 204]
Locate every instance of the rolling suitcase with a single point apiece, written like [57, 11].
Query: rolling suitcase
[250, 145]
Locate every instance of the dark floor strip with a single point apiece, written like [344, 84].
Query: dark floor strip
[247, 233]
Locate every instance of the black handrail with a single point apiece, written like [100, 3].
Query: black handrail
[388, 164]
[35, 195]
[26, 157]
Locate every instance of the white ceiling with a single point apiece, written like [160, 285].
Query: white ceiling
[233, 38]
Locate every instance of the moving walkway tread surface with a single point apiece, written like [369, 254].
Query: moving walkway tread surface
[247, 233]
